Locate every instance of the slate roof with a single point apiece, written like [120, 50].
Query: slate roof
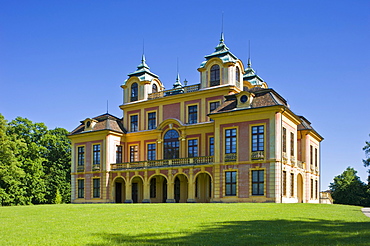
[262, 98]
[105, 122]
[222, 52]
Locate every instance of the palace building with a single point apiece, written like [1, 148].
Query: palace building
[229, 138]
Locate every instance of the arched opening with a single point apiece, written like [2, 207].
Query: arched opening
[171, 145]
[134, 92]
[237, 76]
[215, 75]
[137, 190]
[181, 188]
[300, 188]
[119, 190]
[203, 188]
[158, 189]
[154, 88]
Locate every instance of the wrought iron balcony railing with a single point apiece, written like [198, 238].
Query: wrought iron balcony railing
[199, 160]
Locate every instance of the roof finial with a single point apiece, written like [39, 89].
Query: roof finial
[107, 106]
[249, 54]
[177, 84]
[222, 28]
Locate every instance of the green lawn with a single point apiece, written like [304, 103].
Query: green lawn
[184, 224]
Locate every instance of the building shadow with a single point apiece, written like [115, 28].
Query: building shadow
[256, 232]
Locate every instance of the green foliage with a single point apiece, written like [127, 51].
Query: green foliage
[184, 224]
[347, 188]
[34, 163]
[366, 162]
[58, 198]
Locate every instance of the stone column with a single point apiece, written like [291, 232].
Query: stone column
[128, 189]
[146, 188]
[170, 188]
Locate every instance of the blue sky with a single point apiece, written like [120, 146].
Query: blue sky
[60, 61]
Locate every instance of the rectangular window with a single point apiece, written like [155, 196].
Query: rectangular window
[118, 153]
[96, 154]
[134, 123]
[258, 138]
[312, 189]
[81, 156]
[284, 139]
[96, 188]
[153, 188]
[193, 114]
[211, 146]
[81, 188]
[213, 106]
[152, 121]
[192, 147]
[291, 144]
[151, 154]
[316, 188]
[315, 157]
[292, 184]
[258, 182]
[230, 183]
[284, 183]
[311, 155]
[230, 141]
[134, 153]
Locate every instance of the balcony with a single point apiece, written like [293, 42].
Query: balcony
[285, 156]
[292, 160]
[96, 167]
[301, 164]
[230, 157]
[258, 155]
[176, 91]
[80, 168]
[199, 160]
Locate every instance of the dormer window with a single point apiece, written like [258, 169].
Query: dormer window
[237, 75]
[134, 92]
[154, 88]
[215, 75]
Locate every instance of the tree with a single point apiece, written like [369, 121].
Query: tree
[34, 163]
[366, 162]
[57, 166]
[31, 157]
[347, 188]
[11, 174]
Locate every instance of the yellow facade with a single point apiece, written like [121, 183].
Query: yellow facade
[228, 138]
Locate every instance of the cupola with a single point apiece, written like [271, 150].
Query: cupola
[251, 79]
[141, 83]
[221, 68]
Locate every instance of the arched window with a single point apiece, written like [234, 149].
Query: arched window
[134, 91]
[154, 88]
[237, 75]
[171, 145]
[215, 75]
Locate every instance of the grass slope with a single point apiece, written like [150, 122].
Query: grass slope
[184, 224]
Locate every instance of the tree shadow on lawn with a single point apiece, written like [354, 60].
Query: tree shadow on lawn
[256, 232]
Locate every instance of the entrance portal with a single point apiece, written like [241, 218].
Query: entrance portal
[181, 188]
[119, 190]
[137, 190]
[158, 189]
[203, 188]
